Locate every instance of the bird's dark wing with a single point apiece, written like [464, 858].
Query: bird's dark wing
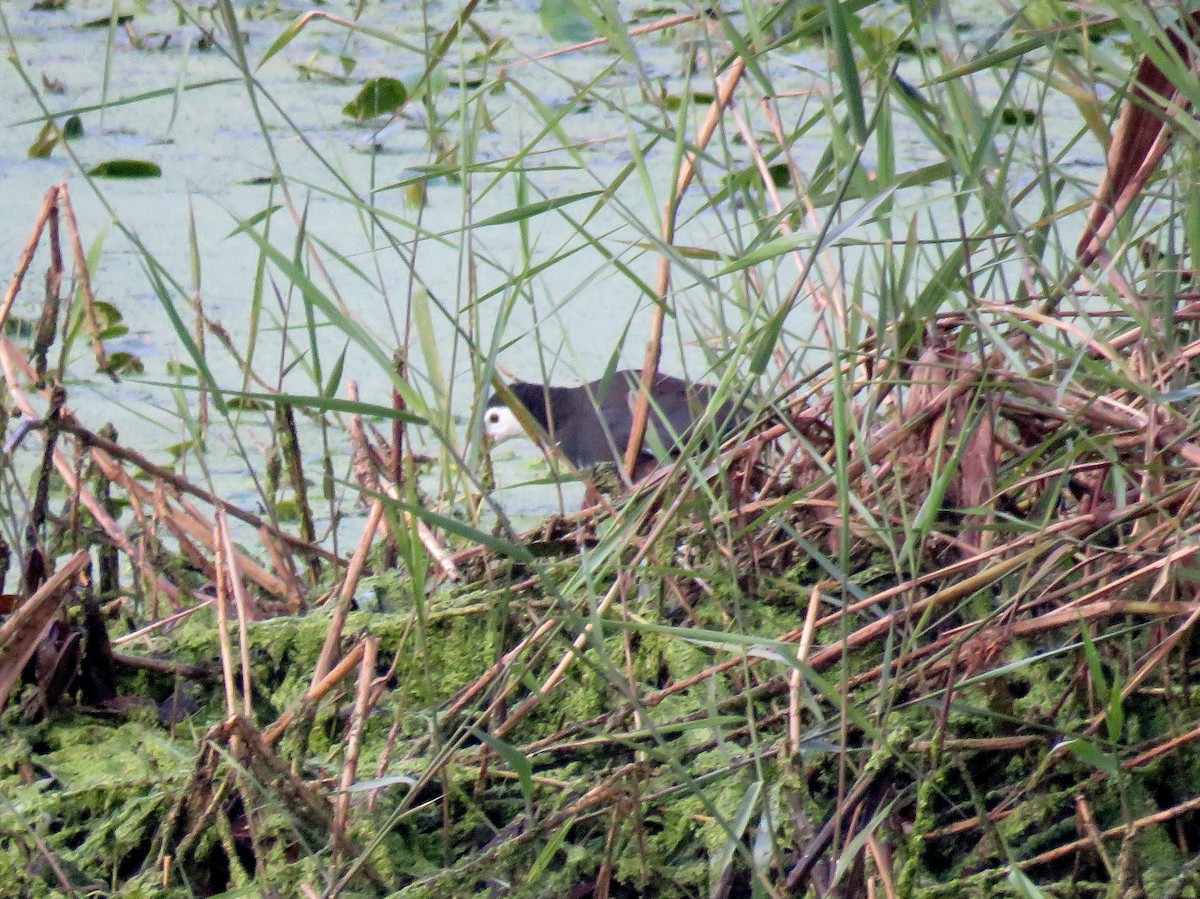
[598, 423]
[676, 407]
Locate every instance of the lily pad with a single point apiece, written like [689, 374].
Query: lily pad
[563, 20]
[44, 143]
[377, 97]
[384, 96]
[126, 168]
[105, 21]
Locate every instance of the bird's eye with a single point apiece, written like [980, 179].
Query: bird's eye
[493, 417]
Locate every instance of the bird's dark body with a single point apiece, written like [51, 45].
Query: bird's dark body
[591, 423]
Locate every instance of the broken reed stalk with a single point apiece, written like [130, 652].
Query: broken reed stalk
[26, 258]
[337, 623]
[120, 452]
[243, 610]
[11, 359]
[315, 693]
[369, 464]
[27, 626]
[662, 286]
[358, 718]
[224, 579]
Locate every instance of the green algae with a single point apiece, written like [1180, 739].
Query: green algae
[113, 798]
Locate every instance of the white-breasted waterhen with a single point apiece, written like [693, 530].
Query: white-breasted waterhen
[590, 424]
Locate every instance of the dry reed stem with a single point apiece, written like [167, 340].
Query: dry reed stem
[358, 562]
[481, 683]
[315, 693]
[11, 358]
[648, 28]
[294, 594]
[26, 257]
[832, 275]
[641, 409]
[193, 522]
[163, 622]
[358, 719]
[796, 678]
[243, 609]
[90, 316]
[367, 464]
[1140, 140]
[223, 578]
[162, 666]
[1119, 831]
[24, 629]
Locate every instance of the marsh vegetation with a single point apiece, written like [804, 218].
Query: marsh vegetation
[280, 622]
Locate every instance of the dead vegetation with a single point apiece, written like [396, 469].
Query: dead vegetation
[936, 638]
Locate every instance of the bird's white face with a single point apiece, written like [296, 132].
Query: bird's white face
[499, 423]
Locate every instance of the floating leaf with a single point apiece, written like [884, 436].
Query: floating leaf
[564, 21]
[414, 195]
[179, 370]
[124, 364]
[1017, 116]
[181, 449]
[287, 510]
[384, 96]
[104, 21]
[107, 314]
[126, 168]
[673, 102]
[44, 143]
[378, 96]
[246, 403]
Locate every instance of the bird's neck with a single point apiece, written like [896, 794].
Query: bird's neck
[553, 398]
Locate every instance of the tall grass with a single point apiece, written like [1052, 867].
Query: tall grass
[931, 617]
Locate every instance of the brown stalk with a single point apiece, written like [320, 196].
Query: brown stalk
[1120, 830]
[294, 596]
[25, 628]
[243, 609]
[1140, 141]
[358, 563]
[315, 693]
[358, 719]
[224, 577]
[162, 623]
[481, 683]
[49, 203]
[90, 316]
[641, 409]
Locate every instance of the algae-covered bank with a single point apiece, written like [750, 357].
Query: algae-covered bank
[905, 607]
